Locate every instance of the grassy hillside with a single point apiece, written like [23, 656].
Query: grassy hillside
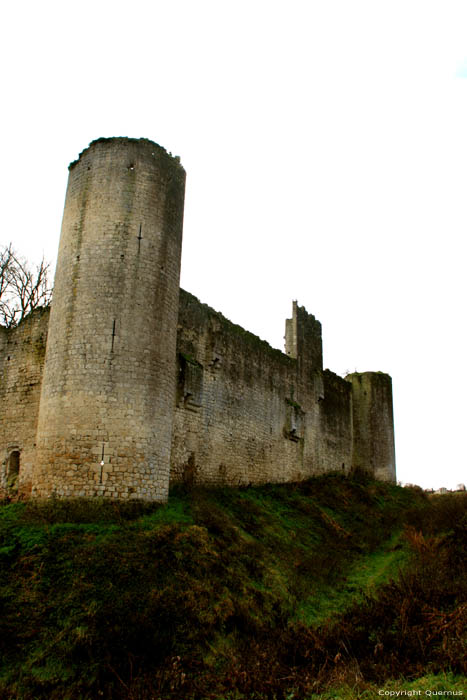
[262, 592]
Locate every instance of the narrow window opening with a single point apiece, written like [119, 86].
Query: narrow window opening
[113, 335]
[13, 469]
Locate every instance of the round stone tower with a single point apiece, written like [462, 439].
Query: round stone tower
[108, 392]
[373, 425]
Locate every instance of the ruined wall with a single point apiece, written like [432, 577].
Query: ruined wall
[244, 412]
[335, 424]
[22, 351]
[106, 407]
[247, 413]
[373, 424]
[231, 408]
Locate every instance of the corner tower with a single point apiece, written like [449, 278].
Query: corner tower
[106, 408]
[373, 425]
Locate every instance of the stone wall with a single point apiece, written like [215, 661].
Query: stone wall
[22, 352]
[335, 424]
[231, 408]
[247, 413]
[243, 411]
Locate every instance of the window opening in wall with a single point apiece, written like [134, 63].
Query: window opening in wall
[293, 428]
[13, 469]
[140, 237]
[190, 384]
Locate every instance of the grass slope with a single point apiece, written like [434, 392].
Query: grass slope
[260, 592]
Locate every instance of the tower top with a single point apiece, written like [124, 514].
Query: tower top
[124, 140]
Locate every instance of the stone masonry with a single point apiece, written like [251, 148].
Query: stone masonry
[133, 383]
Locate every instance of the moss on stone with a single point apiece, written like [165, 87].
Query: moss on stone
[294, 404]
[191, 360]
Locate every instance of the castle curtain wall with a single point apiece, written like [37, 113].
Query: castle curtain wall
[243, 412]
[247, 413]
[22, 352]
[335, 425]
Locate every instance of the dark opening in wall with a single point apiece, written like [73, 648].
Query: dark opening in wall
[190, 383]
[13, 468]
[294, 425]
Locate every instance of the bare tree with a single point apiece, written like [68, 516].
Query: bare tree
[23, 287]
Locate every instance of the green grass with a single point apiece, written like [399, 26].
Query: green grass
[436, 684]
[361, 579]
[217, 587]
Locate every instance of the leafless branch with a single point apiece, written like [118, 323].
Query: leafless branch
[23, 288]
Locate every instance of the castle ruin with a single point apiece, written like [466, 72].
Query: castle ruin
[128, 383]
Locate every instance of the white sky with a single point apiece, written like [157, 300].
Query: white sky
[325, 145]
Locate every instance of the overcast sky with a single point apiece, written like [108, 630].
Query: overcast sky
[325, 145]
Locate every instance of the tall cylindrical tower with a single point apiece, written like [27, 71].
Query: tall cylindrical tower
[107, 401]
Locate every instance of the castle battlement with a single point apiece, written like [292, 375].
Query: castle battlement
[128, 383]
